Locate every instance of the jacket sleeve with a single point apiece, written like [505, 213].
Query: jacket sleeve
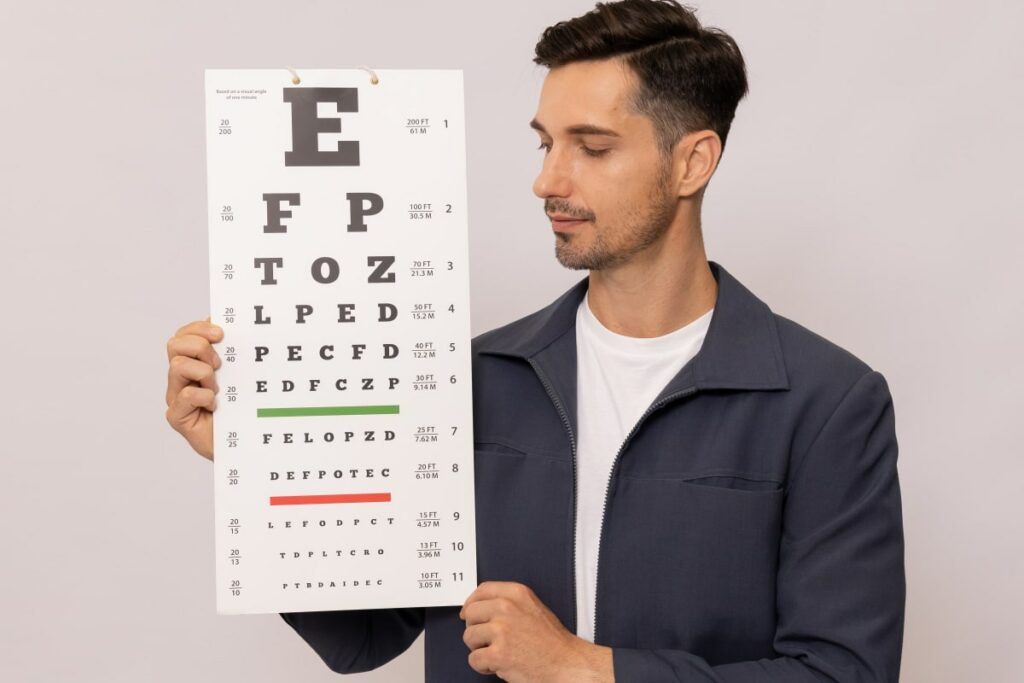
[353, 641]
[841, 587]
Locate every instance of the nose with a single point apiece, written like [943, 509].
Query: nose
[554, 177]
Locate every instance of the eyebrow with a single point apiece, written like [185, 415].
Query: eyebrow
[578, 129]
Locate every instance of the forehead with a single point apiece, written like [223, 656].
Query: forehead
[593, 92]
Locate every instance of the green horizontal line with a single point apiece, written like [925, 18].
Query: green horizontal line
[327, 410]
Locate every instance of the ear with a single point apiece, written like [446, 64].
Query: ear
[695, 159]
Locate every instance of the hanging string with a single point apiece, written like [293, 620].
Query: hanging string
[373, 75]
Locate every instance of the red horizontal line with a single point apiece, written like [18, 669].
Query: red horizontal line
[332, 498]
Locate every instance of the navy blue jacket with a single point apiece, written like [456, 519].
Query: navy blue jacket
[752, 524]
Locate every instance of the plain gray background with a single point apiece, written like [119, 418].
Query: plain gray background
[869, 191]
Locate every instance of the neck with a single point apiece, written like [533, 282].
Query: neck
[659, 290]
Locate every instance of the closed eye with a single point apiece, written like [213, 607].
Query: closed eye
[586, 150]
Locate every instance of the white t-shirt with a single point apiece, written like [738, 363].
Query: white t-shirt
[618, 378]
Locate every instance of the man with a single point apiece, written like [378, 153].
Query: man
[673, 483]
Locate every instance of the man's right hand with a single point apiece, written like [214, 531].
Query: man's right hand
[191, 385]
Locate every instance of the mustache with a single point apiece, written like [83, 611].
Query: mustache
[560, 208]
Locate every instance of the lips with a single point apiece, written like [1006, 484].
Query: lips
[560, 222]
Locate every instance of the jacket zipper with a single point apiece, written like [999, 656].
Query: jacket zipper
[611, 476]
[572, 442]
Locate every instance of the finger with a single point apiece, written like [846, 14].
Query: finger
[202, 327]
[497, 589]
[480, 635]
[184, 372]
[193, 346]
[481, 661]
[181, 410]
[198, 326]
[483, 611]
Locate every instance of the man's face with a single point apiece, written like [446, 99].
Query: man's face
[614, 180]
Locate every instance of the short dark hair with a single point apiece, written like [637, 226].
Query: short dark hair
[690, 77]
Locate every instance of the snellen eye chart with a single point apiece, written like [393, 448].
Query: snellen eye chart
[338, 242]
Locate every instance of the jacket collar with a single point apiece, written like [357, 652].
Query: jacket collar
[741, 349]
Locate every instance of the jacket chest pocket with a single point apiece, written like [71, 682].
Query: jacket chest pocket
[691, 563]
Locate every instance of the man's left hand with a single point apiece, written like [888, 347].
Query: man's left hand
[511, 633]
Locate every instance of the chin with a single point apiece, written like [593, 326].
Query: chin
[571, 259]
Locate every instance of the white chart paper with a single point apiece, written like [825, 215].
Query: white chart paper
[338, 235]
